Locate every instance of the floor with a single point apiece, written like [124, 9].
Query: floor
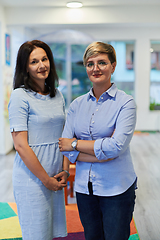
[145, 150]
[6, 165]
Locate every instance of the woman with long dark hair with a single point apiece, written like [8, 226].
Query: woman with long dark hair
[37, 115]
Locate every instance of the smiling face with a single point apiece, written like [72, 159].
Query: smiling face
[38, 66]
[99, 70]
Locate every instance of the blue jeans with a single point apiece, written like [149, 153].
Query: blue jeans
[106, 218]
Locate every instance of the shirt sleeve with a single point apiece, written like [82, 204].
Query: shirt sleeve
[68, 132]
[18, 111]
[113, 147]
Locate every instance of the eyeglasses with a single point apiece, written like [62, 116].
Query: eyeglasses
[101, 65]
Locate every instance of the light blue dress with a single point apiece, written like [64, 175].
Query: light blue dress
[41, 211]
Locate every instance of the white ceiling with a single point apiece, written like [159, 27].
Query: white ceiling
[86, 3]
[100, 12]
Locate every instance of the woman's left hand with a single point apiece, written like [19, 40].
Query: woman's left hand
[61, 177]
[65, 144]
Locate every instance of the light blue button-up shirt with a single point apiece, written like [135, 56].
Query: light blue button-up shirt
[89, 119]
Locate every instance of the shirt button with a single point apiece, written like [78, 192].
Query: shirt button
[101, 97]
[97, 109]
[92, 121]
[94, 176]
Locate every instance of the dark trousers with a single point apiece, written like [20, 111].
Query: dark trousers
[106, 218]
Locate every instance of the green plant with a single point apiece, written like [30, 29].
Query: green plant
[154, 106]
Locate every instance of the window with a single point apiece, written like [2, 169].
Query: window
[59, 54]
[124, 74]
[80, 82]
[155, 76]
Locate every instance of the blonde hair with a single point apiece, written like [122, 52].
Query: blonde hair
[97, 48]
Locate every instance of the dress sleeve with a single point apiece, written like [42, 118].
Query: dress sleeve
[62, 101]
[68, 132]
[113, 147]
[18, 108]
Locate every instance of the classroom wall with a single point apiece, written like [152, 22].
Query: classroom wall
[6, 143]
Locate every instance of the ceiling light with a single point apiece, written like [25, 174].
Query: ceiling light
[74, 4]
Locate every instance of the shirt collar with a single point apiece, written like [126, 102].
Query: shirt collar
[111, 92]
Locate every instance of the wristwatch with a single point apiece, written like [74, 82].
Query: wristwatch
[74, 144]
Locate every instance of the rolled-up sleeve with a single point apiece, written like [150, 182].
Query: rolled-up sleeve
[72, 155]
[68, 132]
[114, 146]
[98, 149]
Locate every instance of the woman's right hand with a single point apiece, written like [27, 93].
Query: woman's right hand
[53, 184]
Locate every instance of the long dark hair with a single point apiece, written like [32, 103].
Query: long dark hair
[21, 76]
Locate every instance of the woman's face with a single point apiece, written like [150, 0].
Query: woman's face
[38, 65]
[99, 70]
